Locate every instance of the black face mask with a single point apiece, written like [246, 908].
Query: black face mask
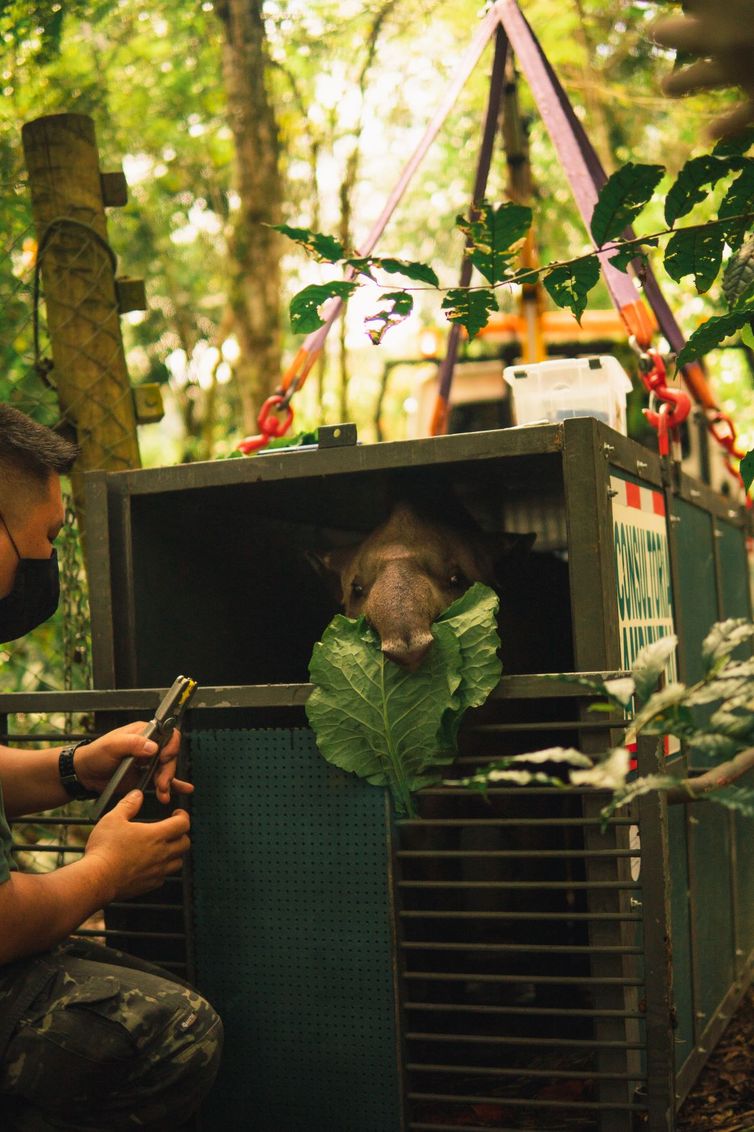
[34, 597]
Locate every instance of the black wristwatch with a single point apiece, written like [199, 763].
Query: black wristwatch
[71, 784]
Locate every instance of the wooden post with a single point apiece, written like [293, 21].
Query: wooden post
[89, 366]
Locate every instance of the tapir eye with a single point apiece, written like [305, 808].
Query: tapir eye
[457, 580]
[357, 590]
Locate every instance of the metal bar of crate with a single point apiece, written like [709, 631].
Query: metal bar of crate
[520, 1071]
[475, 1008]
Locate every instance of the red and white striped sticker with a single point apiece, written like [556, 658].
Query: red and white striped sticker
[640, 498]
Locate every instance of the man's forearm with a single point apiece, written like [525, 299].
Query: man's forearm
[39, 911]
[31, 781]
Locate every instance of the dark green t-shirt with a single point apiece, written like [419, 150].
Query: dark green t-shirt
[6, 860]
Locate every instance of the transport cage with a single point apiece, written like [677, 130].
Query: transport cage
[497, 965]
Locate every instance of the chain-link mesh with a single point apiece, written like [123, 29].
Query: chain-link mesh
[22, 383]
[58, 654]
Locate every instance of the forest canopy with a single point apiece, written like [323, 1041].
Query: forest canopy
[230, 118]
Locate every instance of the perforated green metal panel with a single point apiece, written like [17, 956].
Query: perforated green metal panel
[293, 936]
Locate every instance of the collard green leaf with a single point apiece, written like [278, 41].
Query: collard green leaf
[325, 249]
[622, 198]
[304, 308]
[472, 619]
[693, 183]
[569, 285]
[419, 272]
[713, 332]
[738, 278]
[491, 234]
[739, 201]
[372, 717]
[746, 468]
[697, 252]
[724, 638]
[470, 308]
[401, 305]
[391, 726]
[650, 664]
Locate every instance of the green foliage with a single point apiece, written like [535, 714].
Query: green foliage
[491, 234]
[697, 252]
[692, 185]
[305, 305]
[721, 731]
[622, 198]
[739, 202]
[416, 271]
[324, 249]
[401, 305]
[738, 280]
[747, 469]
[570, 284]
[472, 309]
[713, 332]
[393, 727]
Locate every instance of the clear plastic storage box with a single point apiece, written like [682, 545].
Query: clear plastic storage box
[570, 387]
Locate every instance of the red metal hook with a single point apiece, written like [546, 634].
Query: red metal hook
[270, 425]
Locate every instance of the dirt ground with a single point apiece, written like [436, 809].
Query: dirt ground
[723, 1098]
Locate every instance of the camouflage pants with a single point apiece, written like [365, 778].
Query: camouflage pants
[110, 1043]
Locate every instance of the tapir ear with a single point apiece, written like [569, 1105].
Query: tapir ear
[330, 566]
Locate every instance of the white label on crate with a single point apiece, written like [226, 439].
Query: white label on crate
[645, 602]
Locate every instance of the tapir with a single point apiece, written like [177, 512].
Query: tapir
[412, 567]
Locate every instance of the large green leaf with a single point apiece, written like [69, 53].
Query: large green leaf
[304, 308]
[469, 307]
[492, 233]
[569, 285]
[739, 201]
[473, 621]
[697, 252]
[712, 332]
[622, 198]
[391, 726]
[693, 183]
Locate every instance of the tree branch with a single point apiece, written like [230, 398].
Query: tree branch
[695, 789]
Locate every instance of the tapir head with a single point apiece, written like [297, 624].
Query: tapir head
[405, 574]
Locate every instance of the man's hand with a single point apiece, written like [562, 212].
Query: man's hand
[136, 857]
[722, 35]
[97, 761]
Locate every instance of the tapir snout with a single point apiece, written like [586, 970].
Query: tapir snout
[404, 575]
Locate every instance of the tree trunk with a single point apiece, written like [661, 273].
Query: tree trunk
[254, 269]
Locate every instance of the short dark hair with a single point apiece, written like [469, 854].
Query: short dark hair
[30, 455]
[31, 451]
